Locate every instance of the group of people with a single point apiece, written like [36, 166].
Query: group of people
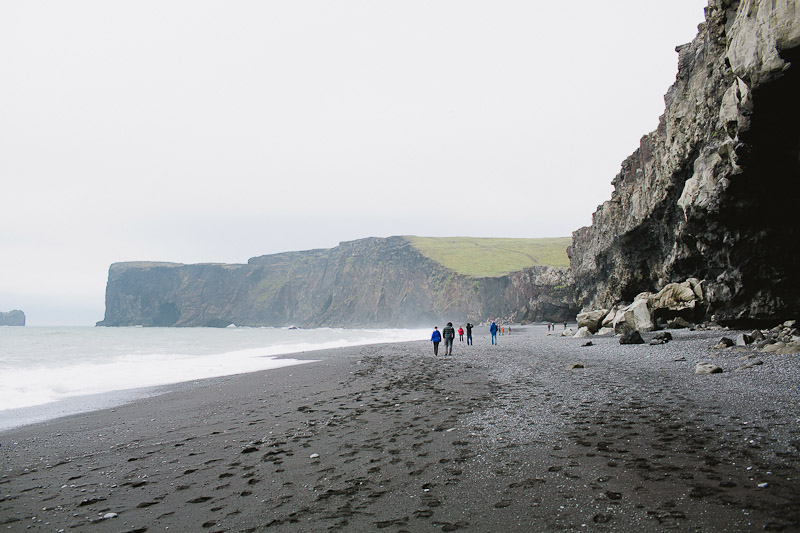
[448, 334]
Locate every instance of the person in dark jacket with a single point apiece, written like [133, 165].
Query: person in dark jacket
[449, 335]
[493, 330]
[469, 334]
[436, 338]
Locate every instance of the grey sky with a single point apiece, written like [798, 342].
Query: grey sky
[197, 131]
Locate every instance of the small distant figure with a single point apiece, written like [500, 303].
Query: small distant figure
[469, 334]
[509, 330]
[548, 326]
[493, 330]
[436, 338]
[460, 334]
[502, 330]
[449, 335]
[565, 324]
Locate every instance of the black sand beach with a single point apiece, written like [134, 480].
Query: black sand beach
[389, 438]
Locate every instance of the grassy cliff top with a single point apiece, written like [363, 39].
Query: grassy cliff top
[488, 257]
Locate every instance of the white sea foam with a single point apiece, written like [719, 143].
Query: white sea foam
[41, 365]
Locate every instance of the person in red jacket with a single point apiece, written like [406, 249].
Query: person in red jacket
[460, 334]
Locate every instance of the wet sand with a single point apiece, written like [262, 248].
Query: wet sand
[389, 438]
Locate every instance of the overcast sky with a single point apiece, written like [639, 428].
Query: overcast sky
[197, 131]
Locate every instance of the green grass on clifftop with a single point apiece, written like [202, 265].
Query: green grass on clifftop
[486, 257]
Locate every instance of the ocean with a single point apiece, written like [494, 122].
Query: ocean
[52, 371]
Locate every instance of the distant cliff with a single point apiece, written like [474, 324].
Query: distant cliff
[374, 282]
[713, 192]
[12, 318]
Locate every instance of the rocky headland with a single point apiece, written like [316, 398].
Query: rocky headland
[12, 318]
[374, 281]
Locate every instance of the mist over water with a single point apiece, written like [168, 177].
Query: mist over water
[39, 365]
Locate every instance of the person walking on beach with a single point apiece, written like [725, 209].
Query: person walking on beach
[493, 330]
[460, 334]
[436, 338]
[449, 335]
[469, 334]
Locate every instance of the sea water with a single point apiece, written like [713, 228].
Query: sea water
[40, 365]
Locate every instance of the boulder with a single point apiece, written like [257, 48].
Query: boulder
[707, 368]
[592, 319]
[790, 348]
[602, 332]
[772, 348]
[676, 300]
[679, 323]
[724, 342]
[661, 337]
[631, 337]
[608, 321]
[582, 332]
[567, 332]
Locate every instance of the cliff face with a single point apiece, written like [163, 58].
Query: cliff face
[712, 193]
[12, 318]
[375, 282]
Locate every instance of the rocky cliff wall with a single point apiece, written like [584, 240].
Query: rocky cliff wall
[713, 192]
[375, 282]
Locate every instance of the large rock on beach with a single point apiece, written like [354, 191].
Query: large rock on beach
[582, 332]
[592, 320]
[635, 317]
[631, 337]
[707, 368]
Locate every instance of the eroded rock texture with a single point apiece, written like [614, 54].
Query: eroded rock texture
[713, 192]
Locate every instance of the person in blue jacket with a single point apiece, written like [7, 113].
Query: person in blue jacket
[493, 330]
[436, 338]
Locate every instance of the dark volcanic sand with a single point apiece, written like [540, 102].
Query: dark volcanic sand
[389, 438]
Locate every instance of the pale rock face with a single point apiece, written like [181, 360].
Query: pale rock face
[635, 317]
[582, 333]
[675, 297]
[760, 30]
[591, 320]
[700, 190]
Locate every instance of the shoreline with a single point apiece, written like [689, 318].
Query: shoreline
[282, 354]
[387, 437]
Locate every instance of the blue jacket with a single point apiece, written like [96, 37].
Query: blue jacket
[436, 337]
[493, 328]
